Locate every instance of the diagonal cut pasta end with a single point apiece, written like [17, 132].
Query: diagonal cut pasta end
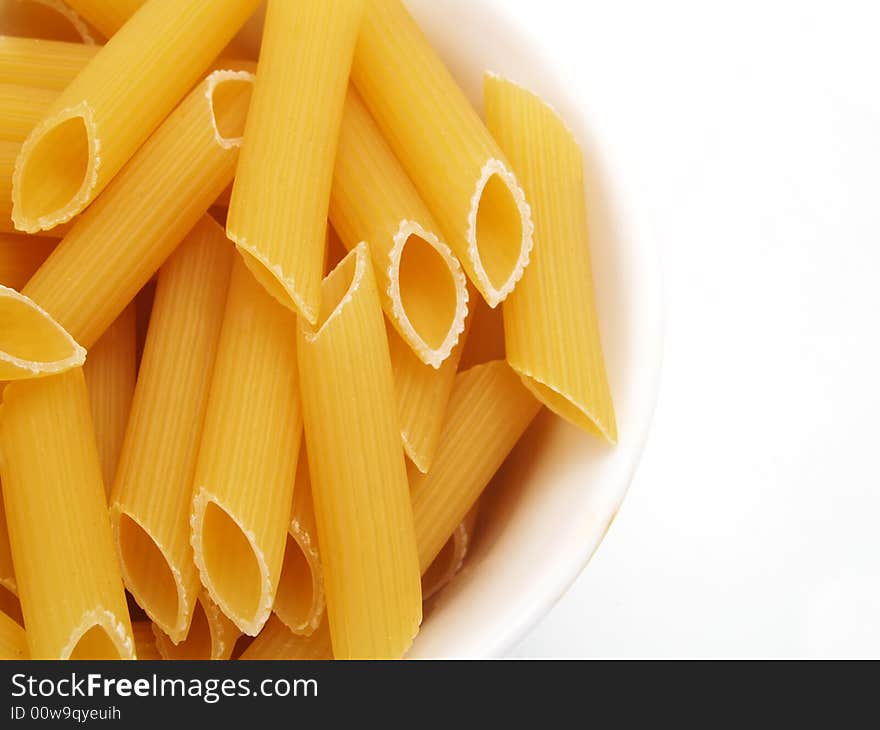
[273, 279]
[211, 635]
[149, 575]
[56, 170]
[299, 602]
[45, 19]
[229, 96]
[428, 292]
[232, 567]
[500, 232]
[100, 635]
[32, 343]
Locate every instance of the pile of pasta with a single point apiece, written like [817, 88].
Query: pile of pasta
[222, 416]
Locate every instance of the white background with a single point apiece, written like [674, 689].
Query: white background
[753, 525]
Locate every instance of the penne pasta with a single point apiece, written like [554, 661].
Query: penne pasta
[165, 46]
[368, 550]
[488, 412]
[551, 325]
[421, 284]
[32, 344]
[245, 471]
[44, 64]
[10, 605]
[211, 635]
[421, 394]
[152, 496]
[485, 341]
[451, 557]
[7, 569]
[145, 641]
[50, 19]
[121, 240]
[277, 642]
[108, 16]
[21, 108]
[13, 642]
[21, 256]
[299, 602]
[302, 75]
[457, 167]
[58, 526]
[110, 371]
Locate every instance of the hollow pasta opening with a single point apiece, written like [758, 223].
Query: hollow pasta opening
[54, 171]
[48, 19]
[95, 644]
[30, 338]
[337, 287]
[499, 232]
[230, 97]
[231, 564]
[564, 407]
[198, 643]
[428, 292]
[295, 598]
[148, 573]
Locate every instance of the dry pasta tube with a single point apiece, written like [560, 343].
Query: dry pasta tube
[21, 108]
[41, 63]
[488, 412]
[290, 139]
[421, 284]
[117, 245]
[277, 642]
[108, 16]
[358, 469]
[152, 494]
[32, 344]
[299, 602]
[551, 325]
[244, 478]
[101, 119]
[211, 635]
[459, 170]
[110, 371]
[451, 557]
[64, 552]
[13, 643]
[44, 19]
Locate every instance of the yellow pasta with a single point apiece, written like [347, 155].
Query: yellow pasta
[290, 143]
[68, 579]
[108, 16]
[357, 468]
[421, 394]
[21, 108]
[451, 557]
[13, 643]
[145, 641]
[277, 642]
[42, 63]
[51, 19]
[32, 344]
[211, 635]
[299, 602]
[152, 495]
[421, 284]
[485, 341]
[551, 325]
[21, 256]
[102, 118]
[10, 605]
[244, 478]
[7, 569]
[488, 412]
[457, 167]
[110, 372]
[121, 240]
